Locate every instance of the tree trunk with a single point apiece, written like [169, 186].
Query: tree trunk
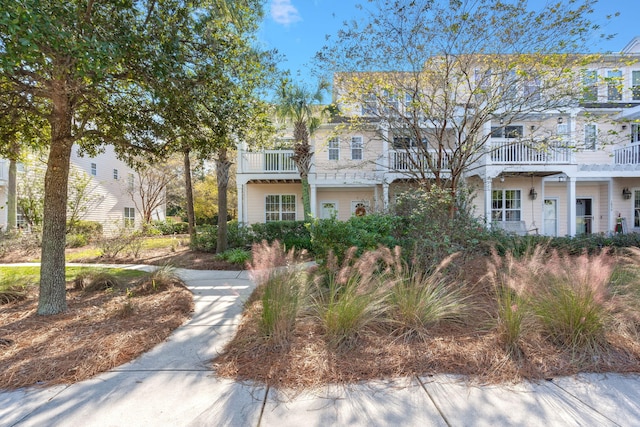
[302, 156]
[222, 173]
[191, 217]
[52, 299]
[12, 196]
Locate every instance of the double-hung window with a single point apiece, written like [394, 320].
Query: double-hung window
[129, 217]
[94, 169]
[369, 105]
[635, 85]
[280, 207]
[589, 85]
[590, 136]
[636, 208]
[614, 85]
[130, 181]
[356, 148]
[635, 132]
[506, 205]
[115, 174]
[334, 149]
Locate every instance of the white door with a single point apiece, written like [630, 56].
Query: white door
[550, 213]
[328, 210]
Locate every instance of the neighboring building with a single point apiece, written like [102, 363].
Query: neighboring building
[586, 178]
[109, 191]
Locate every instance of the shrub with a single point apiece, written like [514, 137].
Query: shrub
[92, 281]
[421, 299]
[76, 240]
[206, 238]
[235, 256]
[91, 230]
[123, 240]
[169, 227]
[158, 280]
[293, 234]
[239, 236]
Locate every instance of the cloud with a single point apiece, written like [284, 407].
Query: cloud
[283, 12]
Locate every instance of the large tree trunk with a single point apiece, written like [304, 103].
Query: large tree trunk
[222, 173]
[52, 299]
[191, 217]
[302, 155]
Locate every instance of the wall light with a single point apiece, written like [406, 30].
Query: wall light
[624, 127]
[626, 193]
[533, 194]
[560, 120]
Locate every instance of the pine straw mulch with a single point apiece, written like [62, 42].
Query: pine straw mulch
[99, 331]
[473, 350]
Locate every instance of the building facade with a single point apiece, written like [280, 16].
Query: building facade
[583, 180]
[110, 195]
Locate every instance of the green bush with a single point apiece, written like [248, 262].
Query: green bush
[206, 239]
[293, 234]
[365, 233]
[235, 256]
[77, 240]
[239, 236]
[169, 227]
[91, 230]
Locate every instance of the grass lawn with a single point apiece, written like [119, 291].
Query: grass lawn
[26, 276]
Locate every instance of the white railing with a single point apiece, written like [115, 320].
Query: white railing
[629, 155]
[268, 161]
[509, 152]
[404, 161]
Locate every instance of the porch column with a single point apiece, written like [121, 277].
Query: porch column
[241, 219]
[571, 206]
[385, 196]
[487, 200]
[611, 218]
[312, 200]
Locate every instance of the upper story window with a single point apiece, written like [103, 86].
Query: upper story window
[130, 181]
[590, 136]
[512, 131]
[115, 174]
[635, 85]
[531, 89]
[369, 105]
[334, 149]
[589, 85]
[482, 79]
[404, 142]
[614, 85]
[635, 132]
[94, 169]
[391, 105]
[356, 148]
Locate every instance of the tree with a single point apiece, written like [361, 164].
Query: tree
[148, 191]
[300, 105]
[97, 72]
[432, 74]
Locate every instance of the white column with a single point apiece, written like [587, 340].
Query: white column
[241, 219]
[385, 196]
[312, 200]
[571, 206]
[611, 217]
[487, 200]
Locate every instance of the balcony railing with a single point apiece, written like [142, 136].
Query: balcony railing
[405, 161]
[629, 155]
[269, 161]
[509, 152]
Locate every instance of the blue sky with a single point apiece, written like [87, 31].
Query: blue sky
[297, 28]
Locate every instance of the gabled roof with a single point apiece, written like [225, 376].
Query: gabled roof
[633, 46]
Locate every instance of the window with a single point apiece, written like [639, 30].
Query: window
[369, 105]
[614, 85]
[94, 169]
[635, 85]
[334, 149]
[115, 174]
[505, 205]
[390, 102]
[130, 181]
[532, 89]
[482, 79]
[507, 131]
[405, 142]
[129, 217]
[280, 207]
[635, 132]
[589, 85]
[590, 136]
[356, 148]
[636, 208]
[360, 207]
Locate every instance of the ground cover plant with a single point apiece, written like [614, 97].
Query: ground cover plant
[541, 314]
[114, 315]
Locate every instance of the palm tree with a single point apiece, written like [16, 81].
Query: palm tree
[299, 105]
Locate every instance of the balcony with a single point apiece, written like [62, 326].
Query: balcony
[406, 161]
[506, 151]
[268, 161]
[629, 155]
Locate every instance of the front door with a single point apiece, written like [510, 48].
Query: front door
[584, 216]
[328, 210]
[550, 212]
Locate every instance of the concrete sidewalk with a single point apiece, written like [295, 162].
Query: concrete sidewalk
[173, 385]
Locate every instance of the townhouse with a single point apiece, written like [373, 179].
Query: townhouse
[564, 170]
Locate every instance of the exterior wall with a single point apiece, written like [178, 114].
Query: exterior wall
[344, 199]
[256, 194]
[372, 153]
